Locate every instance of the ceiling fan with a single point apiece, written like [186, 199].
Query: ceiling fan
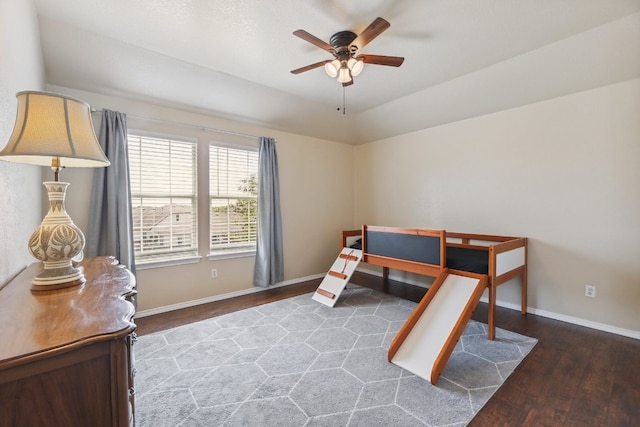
[344, 46]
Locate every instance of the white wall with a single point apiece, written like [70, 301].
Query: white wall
[20, 185]
[316, 199]
[564, 172]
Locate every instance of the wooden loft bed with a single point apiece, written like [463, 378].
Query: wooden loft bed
[429, 252]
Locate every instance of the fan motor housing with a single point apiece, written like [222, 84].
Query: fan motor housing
[341, 41]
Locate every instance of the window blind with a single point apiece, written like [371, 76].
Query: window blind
[233, 191]
[164, 197]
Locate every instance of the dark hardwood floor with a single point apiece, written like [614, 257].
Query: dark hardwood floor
[574, 376]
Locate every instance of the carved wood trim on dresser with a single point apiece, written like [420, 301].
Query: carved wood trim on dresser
[66, 356]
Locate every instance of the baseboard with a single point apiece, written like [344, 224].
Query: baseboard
[574, 320]
[536, 311]
[193, 303]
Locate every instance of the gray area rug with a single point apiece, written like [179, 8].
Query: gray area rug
[297, 362]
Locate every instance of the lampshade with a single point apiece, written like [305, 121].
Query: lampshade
[49, 126]
[344, 75]
[332, 68]
[355, 65]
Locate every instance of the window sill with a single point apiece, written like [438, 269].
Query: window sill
[229, 255]
[168, 263]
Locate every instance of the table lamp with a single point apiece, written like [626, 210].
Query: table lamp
[55, 130]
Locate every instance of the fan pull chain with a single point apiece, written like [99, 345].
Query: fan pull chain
[344, 102]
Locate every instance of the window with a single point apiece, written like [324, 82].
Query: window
[233, 194]
[164, 203]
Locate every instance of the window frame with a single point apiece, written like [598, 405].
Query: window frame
[175, 257]
[231, 251]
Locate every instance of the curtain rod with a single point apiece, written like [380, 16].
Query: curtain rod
[244, 135]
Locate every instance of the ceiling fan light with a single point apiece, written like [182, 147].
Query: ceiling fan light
[355, 65]
[344, 75]
[332, 68]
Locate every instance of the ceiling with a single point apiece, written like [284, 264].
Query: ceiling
[233, 58]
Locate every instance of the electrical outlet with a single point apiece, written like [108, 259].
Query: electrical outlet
[214, 273]
[590, 291]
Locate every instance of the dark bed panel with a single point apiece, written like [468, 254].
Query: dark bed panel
[408, 247]
[467, 259]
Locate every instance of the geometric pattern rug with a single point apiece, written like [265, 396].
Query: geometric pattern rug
[296, 362]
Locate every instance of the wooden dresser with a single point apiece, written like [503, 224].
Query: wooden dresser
[66, 356]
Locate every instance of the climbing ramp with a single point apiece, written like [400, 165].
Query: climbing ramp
[338, 276]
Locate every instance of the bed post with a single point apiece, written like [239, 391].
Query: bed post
[492, 294]
[492, 312]
[524, 278]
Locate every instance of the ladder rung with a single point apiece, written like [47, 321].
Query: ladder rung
[325, 293]
[338, 275]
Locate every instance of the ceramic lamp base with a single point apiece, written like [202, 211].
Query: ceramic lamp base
[57, 277]
[57, 242]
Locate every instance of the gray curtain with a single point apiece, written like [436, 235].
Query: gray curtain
[269, 268]
[110, 230]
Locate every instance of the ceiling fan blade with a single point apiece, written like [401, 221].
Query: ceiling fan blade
[309, 67]
[371, 32]
[393, 61]
[313, 40]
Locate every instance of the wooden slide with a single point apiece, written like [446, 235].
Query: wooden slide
[427, 339]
